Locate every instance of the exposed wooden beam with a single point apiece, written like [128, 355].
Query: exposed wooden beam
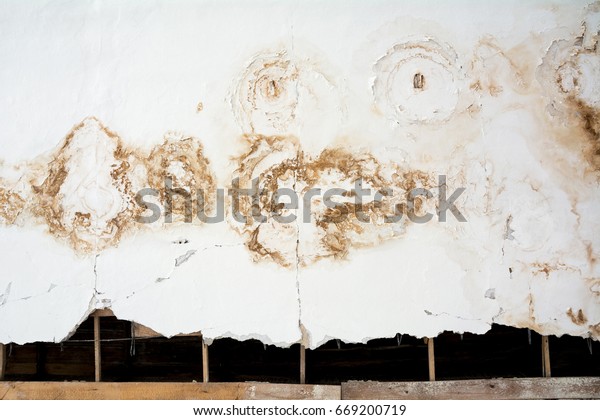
[165, 391]
[431, 359]
[141, 331]
[103, 313]
[2, 361]
[545, 357]
[97, 349]
[484, 389]
[302, 364]
[529, 388]
[205, 367]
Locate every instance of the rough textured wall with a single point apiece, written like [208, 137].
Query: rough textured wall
[128, 127]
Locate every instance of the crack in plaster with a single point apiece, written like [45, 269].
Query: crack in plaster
[455, 316]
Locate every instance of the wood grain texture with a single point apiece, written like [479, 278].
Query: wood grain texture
[97, 350]
[485, 389]
[103, 313]
[546, 357]
[164, 391]
[431, 359]
[2, 361]
[302, 364]
[205, 365]
[141, 331]
[530, 388]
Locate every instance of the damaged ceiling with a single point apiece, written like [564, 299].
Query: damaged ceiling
[495, 111]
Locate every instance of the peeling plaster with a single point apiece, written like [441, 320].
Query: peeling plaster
[507, 108]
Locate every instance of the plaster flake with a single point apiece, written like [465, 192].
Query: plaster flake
[507, 108]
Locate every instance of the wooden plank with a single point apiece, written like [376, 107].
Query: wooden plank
[205, 366]
[103, 312]
[545, 357]
[165, 391]
[484, 389]
[2, 361]
[97, 350]
[431, 359]
[302, 364]
[141, 331]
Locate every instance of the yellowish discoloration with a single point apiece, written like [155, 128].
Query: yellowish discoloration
[279, 162]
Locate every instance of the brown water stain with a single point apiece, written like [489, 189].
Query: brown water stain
[266, 90]
[594, 285]
[588, 121]
[397, 105]
[497, 68]
[543, 268]
[577, 115]
[577, 318]
[182, 162]
[591, 256]
[61, 204]
[531, 307]
[548, 268]
[255, 246]
[48, 196]
[11, 205]
[341, 226]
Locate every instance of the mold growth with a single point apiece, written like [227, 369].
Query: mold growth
[418, 81]
[569, 74]
[86, 196]
[11, 205]
[273, 161]
[578, 317]
[320, 230]
[85, 190]
[349, 224]
[181, 174]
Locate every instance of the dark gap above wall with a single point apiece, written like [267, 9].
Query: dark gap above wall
[502, 352]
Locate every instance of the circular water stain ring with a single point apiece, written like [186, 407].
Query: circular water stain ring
[267, 93]
[417, 82]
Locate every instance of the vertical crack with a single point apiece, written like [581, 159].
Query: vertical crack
[96, 275]
[300, 326]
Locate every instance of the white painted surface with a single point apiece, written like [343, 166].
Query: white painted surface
[490, 115]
